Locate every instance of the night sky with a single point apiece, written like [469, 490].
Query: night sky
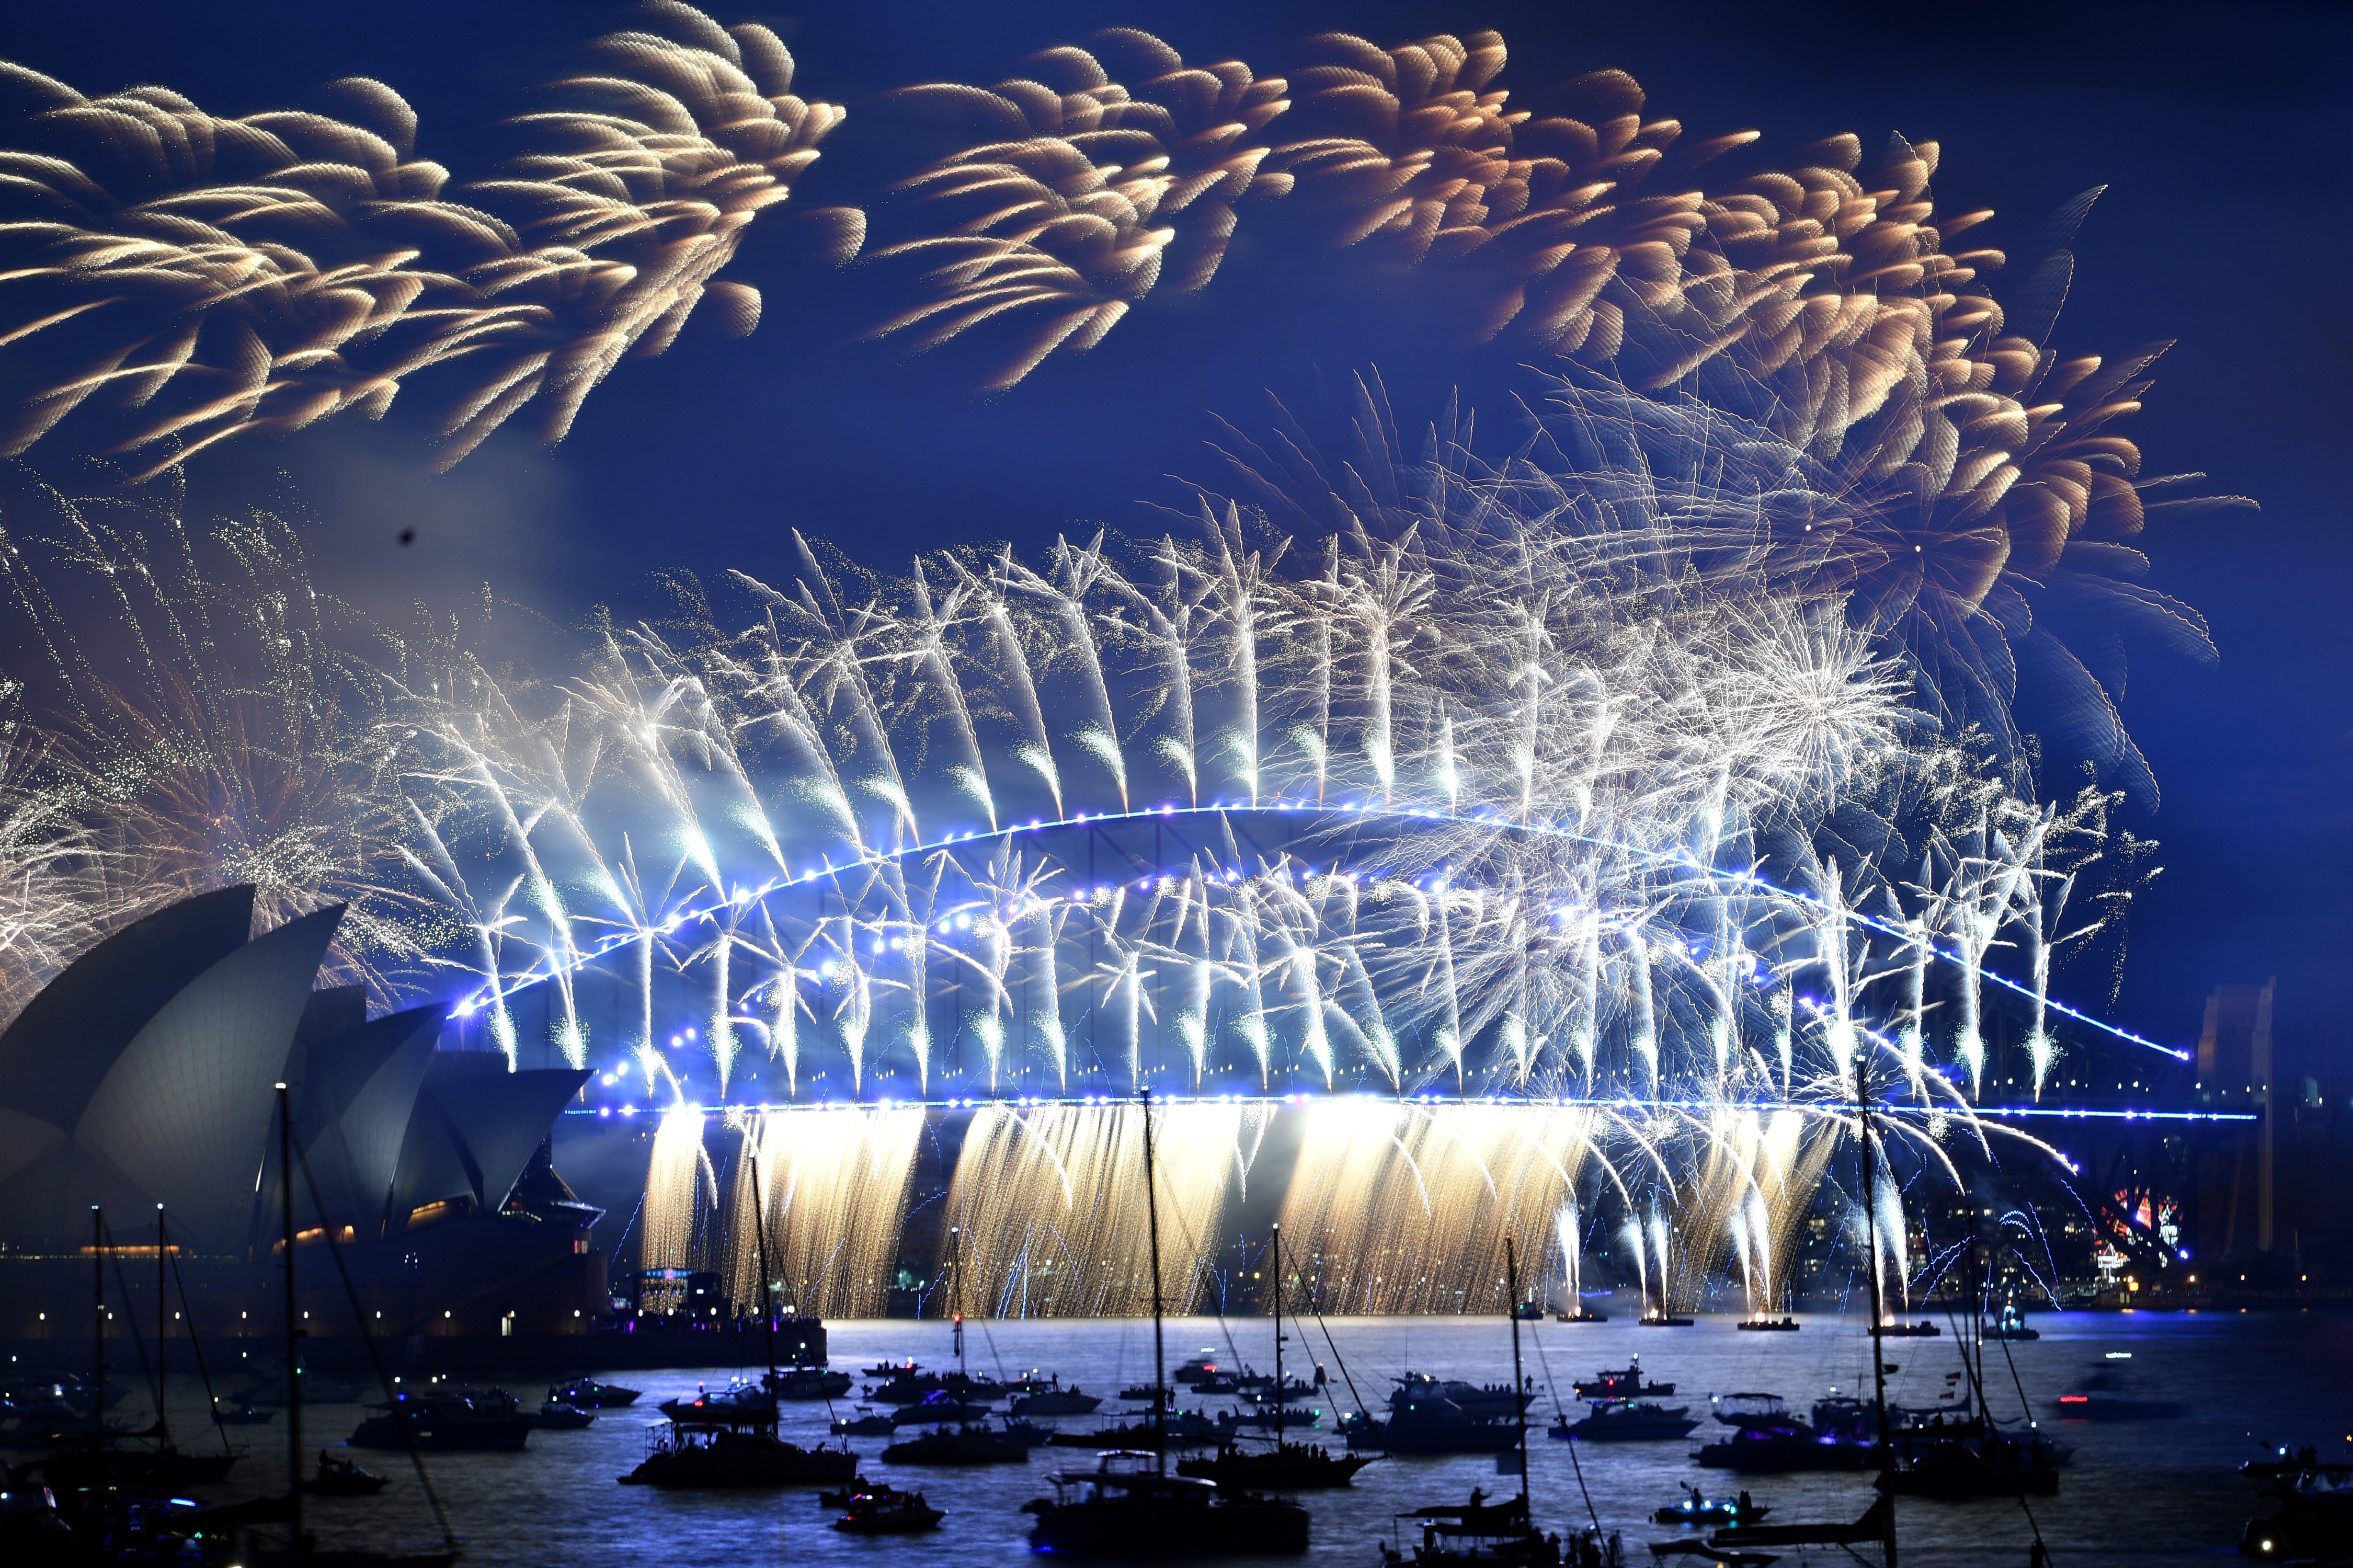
[2222, 135]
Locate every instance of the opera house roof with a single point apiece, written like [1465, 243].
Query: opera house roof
[143, 1075]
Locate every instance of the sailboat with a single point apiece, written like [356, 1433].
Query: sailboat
[104, 1465]
[300, 1550]
[728, 1439]
[1972, 1457]
[1488, 1534]
[1129, 1505]
[1286, 1467]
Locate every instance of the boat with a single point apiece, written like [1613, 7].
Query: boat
[1029, 1434]
[1627, 1421]
[736, 1404]
[341, 1478]
[587, 1394]
[1782, 1325]
[93, 1457]
[937, 1409]
[1129, 1506]
[1478, 1531]
[242, 1415]
[1057, 1400]
[1920, 1329]
[840, 1496]
[686, 1457]
[456, 1421]
[1273, 1418]
[967, 1444]
[1287, 1468]
[1580, 1315]
[1626, 1383]
[2011, 1325]
[300, 1549]
[1663, 1320]
[1529, 1312]
[870, 1423]
[888, 1511]
[728, 1439]
[807, 1382]
[1985, 1463]
[911, 1387]
[1425, 1424]
[1198, 1367]
[1877, 1524]
[2314, 1522]
[2104, 1394]
[1767, 1438]
[1696, 1508]
[558, 1417]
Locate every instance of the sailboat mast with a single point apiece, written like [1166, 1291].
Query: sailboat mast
[1276, 1235]
[294, 1329]
[1878, 1307]
[1519, 1403]
[162, 1334]
[98, 1339]
[1159, 1350]
[760, 1230]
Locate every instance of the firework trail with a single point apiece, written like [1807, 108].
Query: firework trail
[202, 277]
[195, 714]
[1985, 503]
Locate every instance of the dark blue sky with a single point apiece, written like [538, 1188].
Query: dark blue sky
[2222, 132]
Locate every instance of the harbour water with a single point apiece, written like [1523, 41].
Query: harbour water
[2144, 1491]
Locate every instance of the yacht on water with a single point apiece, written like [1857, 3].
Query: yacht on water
[1130, 1506]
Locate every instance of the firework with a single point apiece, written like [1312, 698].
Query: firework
[1985, 497]
[195, 711]
[205, 277]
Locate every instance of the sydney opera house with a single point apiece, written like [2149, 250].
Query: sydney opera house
[142, 1082]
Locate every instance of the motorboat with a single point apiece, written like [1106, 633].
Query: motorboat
[2011, 1325]
[242, 1415]
[1626, 1383]
[2314, 1522]
[888, 1511]
[1765, 1438]
[1288, 1466]
[736, 1405]
[1269, 1419]
[1197, 1368]
[937, 1409]
[868, 1423]
[557, 1416]
[341, 1478]
[1627, 1421]
[967, 1444]
[1057, 1400]
[807, 1382]
[2104, 1394]
[914, 1387]
[1697, 1509]
[1128, 1508]
[1430, 1425]
[587, 1394]
[685, 1457]
[450, 1420]
[1982, 1464]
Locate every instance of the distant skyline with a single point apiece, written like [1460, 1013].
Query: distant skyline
[2218, 132]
